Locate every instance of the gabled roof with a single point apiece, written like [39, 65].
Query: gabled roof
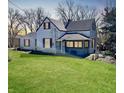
[73, 36]
[59, 24]
[83, 25]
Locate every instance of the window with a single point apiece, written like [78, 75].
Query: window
[86, 44]
[47, 25]
[47, 43]
[78, 44]
[92, 43]
[26, 42]
[69, 44]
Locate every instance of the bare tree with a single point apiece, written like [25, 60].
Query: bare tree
[88, 13]
[14, 25]
[40, 15]
[28, 18]
[33, 18]
[65, 10]
[69, 10]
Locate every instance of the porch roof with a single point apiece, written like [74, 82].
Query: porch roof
[73, 37]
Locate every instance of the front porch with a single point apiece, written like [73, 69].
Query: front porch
[74, 44]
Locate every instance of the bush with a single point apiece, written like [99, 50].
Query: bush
[108, 53]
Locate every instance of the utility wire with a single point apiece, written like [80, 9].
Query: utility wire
[15, 5]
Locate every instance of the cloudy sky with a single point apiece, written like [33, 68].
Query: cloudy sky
[50, 5]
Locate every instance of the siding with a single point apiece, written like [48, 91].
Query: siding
[32, 43]
[82, 52]
[52, 33]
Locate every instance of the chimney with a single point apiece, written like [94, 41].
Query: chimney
[67, 23]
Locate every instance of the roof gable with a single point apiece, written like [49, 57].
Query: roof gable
[82, 25]
[57, 23]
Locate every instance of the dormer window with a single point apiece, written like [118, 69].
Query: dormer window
[47, 25]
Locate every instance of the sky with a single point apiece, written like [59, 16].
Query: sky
[50, 5]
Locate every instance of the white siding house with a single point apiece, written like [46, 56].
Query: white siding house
[53, 36]
[30, 39]
[53, 33]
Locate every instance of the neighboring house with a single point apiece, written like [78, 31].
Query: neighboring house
[53, 36]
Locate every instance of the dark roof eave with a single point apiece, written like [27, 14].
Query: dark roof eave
[51, 22]
[73, 33]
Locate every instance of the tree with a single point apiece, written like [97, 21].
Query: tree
[14, 25]
[69, 10]
[29, 19]
[33, 18]
[40, 15]
[109, 20]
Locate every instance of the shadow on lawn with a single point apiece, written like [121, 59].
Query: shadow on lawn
[34, 53]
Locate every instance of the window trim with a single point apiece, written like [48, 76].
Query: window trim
[69, 44]
[84, 43]
[50, 42]
[78, 46]
[44, 25]
[93, 43]
[25, 43]
[74, 43]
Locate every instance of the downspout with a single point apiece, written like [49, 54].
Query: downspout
[61, 46]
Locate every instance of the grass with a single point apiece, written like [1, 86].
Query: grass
[30, 73]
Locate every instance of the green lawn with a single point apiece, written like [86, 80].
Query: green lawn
[30, 73]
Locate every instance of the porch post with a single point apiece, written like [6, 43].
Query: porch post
[64, 47]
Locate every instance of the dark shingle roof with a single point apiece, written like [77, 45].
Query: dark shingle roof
[60, 25]
[80, 25]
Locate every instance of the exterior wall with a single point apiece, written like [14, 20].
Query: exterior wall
[53, 33]
[82, 52]
[32, 43]
[93, 36]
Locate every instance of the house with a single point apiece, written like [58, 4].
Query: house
[54, 36]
